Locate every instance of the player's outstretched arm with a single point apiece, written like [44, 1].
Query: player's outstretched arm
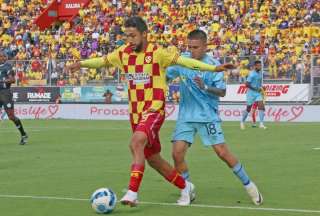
[198, 65]
[89, 63]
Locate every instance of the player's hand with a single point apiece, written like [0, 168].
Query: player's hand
[225, 67]
[74, 67]
[229, 66]
[199, 82]
[262, 90]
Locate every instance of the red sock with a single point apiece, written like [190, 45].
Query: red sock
[136, 177]
[254, 116]
[176, 179]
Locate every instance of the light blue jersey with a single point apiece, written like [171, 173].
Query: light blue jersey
[198, 109]
[255, 80]
[197, 105]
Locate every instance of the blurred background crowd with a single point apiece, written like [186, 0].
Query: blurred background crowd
[283, 34]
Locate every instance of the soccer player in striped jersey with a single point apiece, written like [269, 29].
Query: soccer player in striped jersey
[144, 66]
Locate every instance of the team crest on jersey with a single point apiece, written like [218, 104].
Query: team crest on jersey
[148, 59]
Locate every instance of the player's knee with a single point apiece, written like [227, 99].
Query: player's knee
[222, 152]
[137, 142]
[154, 160]
[12, 117]
[177, 156]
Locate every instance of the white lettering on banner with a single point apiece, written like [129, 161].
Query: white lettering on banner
[34, 95]
[107, 111]
[73, 6]
[276, 113]
[15, 95]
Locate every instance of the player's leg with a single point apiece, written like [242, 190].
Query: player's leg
[173, 176]
[152, 153]
[9, 108]
[261, 111]
[245, 115]
[212, 135]
[137, 145]
[179, 150]
[183, 137]
[253, 114]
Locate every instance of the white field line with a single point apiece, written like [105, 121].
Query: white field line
[170, 204]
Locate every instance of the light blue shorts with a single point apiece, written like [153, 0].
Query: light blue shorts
[210, 132]
[253, 97]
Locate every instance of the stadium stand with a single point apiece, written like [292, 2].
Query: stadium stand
[284, 34]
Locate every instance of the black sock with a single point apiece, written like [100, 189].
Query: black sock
[18, 124]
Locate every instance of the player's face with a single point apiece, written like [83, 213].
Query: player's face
[135, 38]
[198, 48]
[257, 67]
[3, 58]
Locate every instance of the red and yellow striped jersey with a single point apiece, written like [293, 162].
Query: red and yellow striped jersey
[145, 73]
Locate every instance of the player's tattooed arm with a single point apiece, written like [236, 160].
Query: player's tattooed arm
[210, 89]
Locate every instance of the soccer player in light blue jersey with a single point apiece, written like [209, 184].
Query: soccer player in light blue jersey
[255, 93]
[198, 113]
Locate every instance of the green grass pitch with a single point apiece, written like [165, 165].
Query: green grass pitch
[72, 158]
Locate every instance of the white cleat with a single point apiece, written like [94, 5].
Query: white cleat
[187, 195]
[242, 126]
[262, 126]
[130, 198]
[254, 193]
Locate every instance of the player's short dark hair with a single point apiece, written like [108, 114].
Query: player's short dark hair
[198, 35]
[257, 62]
[136, 22]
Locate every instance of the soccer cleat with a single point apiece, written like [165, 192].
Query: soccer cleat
[130, 198]
[242, 126]
[24, 139]
[262, 126]
[254, 193]
[254, 125]
[187, 195]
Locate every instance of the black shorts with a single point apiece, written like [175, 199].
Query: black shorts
[6, 99]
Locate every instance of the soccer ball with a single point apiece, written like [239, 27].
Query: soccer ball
[103, 200]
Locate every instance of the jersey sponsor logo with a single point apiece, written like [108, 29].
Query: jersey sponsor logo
[138, 78]
[271, 90]
[73, 6]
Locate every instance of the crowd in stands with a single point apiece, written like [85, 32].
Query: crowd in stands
[284, 34]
